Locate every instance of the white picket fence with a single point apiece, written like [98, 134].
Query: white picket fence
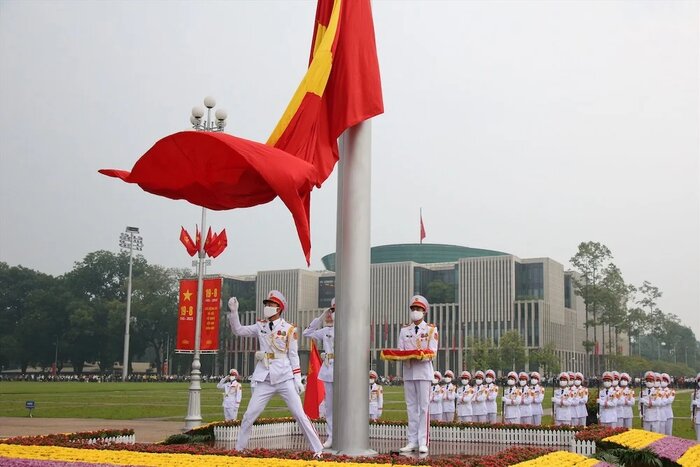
[126, 439]
[559, 438]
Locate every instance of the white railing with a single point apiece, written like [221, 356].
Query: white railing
[126, 439]
[437, 433]
[586, 448]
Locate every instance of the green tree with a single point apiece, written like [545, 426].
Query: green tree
[590, 260]
[477, 354]
[546, 358]
[512, 350]
[440, 292]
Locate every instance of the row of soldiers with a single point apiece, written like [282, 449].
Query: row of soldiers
[478, 402]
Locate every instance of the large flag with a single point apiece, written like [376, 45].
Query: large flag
[315, 392]
[219, 171]
[187, 241]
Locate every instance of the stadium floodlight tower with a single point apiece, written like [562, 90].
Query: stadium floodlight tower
[129, 240]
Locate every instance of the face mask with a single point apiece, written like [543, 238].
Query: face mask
[270, 311]
[489, 380]
[623, 382]
[522, 382]
[664, 384]
[371, 381]
[511, 382]
[607, 384]
[479, 381]
[448, 380]
[615, 382]
[577, 382]
[649, 384]
[534, 382]
[465, 382]
[657, 384]
[329, 320]
[416, 315]
[563, 383]
[435, 381]
[570, 383]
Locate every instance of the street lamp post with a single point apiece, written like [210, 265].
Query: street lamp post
[129, 240]
[194, 412]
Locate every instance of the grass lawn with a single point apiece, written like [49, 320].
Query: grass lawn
[168, 401]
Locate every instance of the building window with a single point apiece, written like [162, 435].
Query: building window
[529, 281]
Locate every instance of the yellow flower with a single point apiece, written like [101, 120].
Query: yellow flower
[691, 458]
[148, 459]
[559, 459]
[635, 439]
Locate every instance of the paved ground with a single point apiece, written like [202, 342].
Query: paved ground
[147, 431]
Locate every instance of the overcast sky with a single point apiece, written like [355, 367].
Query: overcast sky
[524, 127]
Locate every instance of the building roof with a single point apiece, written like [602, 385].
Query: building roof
[423, 253]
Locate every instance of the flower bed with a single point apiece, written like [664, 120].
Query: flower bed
[64, 439]
[562, 459]
[670, 448]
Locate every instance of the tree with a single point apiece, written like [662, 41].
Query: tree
[636, 324]
[512, 349]
[590, 260]
[440, 292]
[477, 354]
[614, 295]
[546, 358]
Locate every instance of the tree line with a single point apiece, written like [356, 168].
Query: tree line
[79, 316]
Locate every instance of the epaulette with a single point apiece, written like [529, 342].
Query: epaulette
[430, 325]
[262, 320]
[406, 325]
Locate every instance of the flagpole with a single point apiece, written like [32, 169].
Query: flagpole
[420, 234]
[350, 401]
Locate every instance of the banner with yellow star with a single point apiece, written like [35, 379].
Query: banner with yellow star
[187, 313]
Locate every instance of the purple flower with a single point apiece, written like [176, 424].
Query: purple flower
[604, 464]
[671, 448]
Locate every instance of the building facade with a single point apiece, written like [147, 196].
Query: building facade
[475, 295]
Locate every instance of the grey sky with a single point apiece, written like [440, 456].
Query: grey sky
[525, 127]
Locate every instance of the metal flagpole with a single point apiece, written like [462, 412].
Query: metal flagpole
[350, 401]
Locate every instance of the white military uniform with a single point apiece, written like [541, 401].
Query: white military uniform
[448, 402]
[607, 403]
[479, 403]
[695, 412]
[527, 397]
[326, 334]
[561, 402]
[669, 396]
[581, 410]
[233, 393]
[492, 402]
[512, 398]
[417, 376]
[627, 401]
[437, 393]
[649, 406]
[277, 365]
[464, 397]
[537, 404]
[376, 401]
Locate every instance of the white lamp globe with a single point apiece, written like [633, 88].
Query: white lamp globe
[197, 112]
[209, 102]
[221, 114]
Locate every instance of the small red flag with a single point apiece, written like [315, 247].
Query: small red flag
[218, 244]
[315, 392]
[208, 239]
[187, 241]
[197, 238]
[422, 228]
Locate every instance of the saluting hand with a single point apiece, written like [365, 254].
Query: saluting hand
[233, 304]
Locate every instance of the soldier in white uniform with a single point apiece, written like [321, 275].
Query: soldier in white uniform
[491, 397]
[669, 396]
[437, 394]
[233, 393]
[607, 413]
[376, 397]
[538, 397]
[479, 400]
[322, 329]
[512, 397]
[561, 401]
[627, 401]
[448, 400]
[528, 396]
[417, 374]
[277, 370]
[661, 404]
[617, 392]
[464, 397]
[695, 407]
[648, 403]
[578, 417]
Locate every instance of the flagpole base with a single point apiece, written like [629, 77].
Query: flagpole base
[352, 452]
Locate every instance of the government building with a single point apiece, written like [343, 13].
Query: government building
[475, 294]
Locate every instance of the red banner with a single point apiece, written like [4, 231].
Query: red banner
[187, 309]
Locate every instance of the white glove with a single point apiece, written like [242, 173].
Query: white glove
[233, 304]
[298, 384]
